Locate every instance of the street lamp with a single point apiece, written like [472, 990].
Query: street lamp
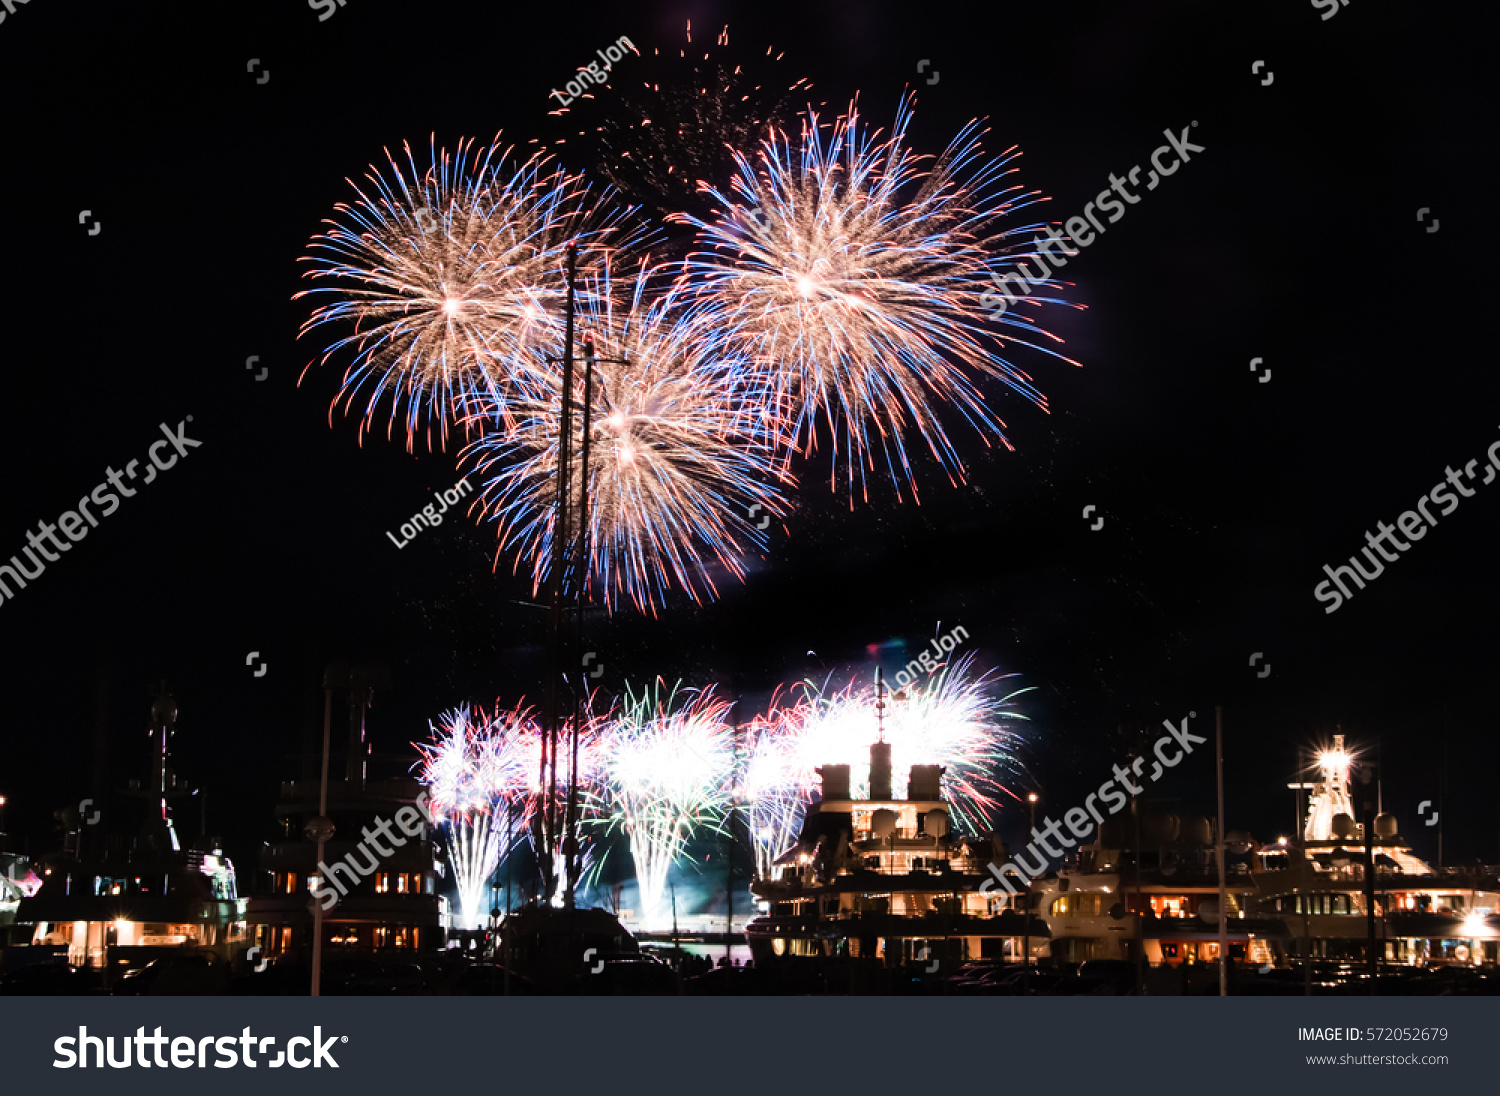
[1026, 924]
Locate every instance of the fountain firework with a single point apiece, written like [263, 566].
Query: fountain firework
[480, 772]
[666, 763]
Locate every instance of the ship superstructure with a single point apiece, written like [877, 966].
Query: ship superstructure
[887, 878]
[115, 902]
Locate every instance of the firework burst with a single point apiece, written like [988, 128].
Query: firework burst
[956, 718]
[450, 277]
[672, 117]
[849, 269]
[479, 769]
[675, 485]
[962, 721]
[667, 760]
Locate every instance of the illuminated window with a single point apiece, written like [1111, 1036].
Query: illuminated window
[1085, 905]
[382, 882]
[393, 936]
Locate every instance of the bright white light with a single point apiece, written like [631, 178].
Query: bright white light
[453, 306]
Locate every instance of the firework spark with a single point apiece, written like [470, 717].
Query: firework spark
[673, 117]
[589, 775]
[849, 269]
[676, 489]
[775, 786]
[450, 277]
[667, 763]
[480, 772]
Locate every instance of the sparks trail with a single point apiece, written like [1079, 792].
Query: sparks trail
[676, 118]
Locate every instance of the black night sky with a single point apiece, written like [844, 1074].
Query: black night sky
[1293, 238]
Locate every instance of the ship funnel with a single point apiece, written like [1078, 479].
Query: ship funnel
[880, 770]
[835, 781]
[926, 782]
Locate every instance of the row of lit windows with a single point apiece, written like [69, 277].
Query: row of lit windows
[1313, 903]
[1078, 905]
[384, 882]
[377, 936]
[1160, 905]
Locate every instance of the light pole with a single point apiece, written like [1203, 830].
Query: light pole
[1219, 857]
[321, 829]
[1026, 924]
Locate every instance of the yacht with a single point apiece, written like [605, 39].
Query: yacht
[1422, 916]
[887, 879]
[115, 903]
